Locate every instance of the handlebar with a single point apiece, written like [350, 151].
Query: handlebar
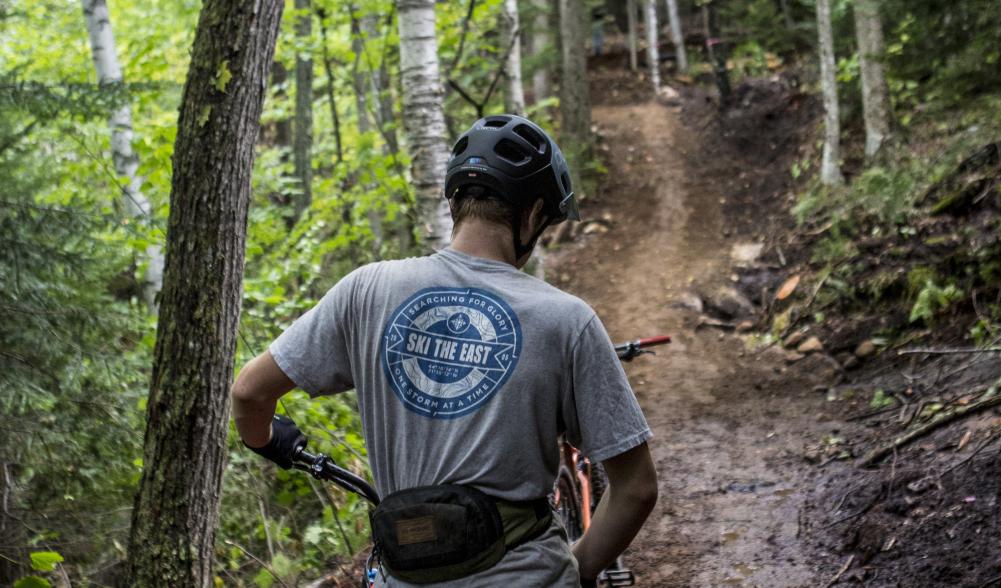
[322, 467]
[628, 351]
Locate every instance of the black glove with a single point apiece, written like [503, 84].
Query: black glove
[286, 438]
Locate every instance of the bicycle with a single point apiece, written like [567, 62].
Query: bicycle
[578, 483]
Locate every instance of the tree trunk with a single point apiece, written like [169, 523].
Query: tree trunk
[541, 46]
[361, 88]
[631, 33]
[331, 92]
[302, 148]
[716, 49]
[875, 101]
[424, 118]
[176, 510]
[109, 72]
[652, 54]
[830, 167]
[677, 36]
[382, 104]
[575, 97]
[514, 97]
[783, 6]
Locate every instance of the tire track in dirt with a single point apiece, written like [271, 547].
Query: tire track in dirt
[729, 425]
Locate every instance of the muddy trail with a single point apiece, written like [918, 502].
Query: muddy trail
[730, 424]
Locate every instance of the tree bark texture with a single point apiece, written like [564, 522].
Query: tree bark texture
[652, 54]
[424, 118]
[830, 167]
[575, 97]
[514, 96]
[875, 95]
[109, 72]
[176, 510]
[541, 46]
[302, 146]
[383, 96]
[716, 50]
[677, 36]
[631, 33]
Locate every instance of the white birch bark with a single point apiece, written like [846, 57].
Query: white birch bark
[514, 97]
[423, 116]
[541, 45]
[109, 71]
[631, 33]
[830, 167]
[652, 54]
[875, 101]
[677, 36]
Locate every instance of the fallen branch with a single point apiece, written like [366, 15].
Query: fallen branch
[993, 437]
[988, 400]
[949, 351]
[841, 572]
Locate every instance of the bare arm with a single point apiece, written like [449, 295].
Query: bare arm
[255, 394]
[631, 495]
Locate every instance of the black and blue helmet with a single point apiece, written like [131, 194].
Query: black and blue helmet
[515, 159]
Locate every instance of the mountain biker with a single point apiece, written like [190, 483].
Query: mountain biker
[467, 370]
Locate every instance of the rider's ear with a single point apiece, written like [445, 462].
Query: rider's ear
[534, 215]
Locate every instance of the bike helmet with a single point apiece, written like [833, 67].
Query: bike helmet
[516, 161]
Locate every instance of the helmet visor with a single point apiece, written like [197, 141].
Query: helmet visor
[568, 207]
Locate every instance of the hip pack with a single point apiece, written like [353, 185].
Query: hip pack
[439, 533]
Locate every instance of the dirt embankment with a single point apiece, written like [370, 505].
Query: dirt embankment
[757, 448]
[729, 424]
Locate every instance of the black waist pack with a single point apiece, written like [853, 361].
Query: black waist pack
[439, 533]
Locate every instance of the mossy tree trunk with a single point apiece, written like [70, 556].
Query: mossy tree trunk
[176, 509]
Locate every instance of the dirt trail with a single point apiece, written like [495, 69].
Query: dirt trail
[729, 425]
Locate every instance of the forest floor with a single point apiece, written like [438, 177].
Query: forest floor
[729, 424]
[754, 443]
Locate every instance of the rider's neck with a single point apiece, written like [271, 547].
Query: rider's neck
[482, 238]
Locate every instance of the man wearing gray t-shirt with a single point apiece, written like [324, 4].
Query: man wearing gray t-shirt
[467, 371]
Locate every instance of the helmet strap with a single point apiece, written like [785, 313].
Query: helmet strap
[520, 249]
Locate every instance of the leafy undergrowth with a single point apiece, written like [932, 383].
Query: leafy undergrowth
[906, 256]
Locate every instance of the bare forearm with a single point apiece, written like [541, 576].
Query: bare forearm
[619, 517]
[253, 418]
[255, 395]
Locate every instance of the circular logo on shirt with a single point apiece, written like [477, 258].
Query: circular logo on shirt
[447, 351]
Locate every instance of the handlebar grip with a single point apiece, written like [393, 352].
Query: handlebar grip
[651, 341]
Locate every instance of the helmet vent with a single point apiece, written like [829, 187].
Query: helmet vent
[460, 146]
[496, 122]
[528, 133]
[511, 152]
[565, 180]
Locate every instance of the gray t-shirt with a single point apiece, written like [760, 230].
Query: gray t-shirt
[467, 370]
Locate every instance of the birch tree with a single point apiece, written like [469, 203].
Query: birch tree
[677, 36]
[302, 146]
[652, 54]
[631, 33]
[176, 510]
[875, 101]
[423, 116]
[125, 160]
[830, 167]
[514, 97]
[541, 46]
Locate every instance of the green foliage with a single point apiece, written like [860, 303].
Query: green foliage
[32, 582]
[933, 299]
[45, 561]
[880, 399]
